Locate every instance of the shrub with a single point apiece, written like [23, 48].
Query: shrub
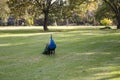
[106, 21]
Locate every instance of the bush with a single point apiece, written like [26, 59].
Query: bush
[106, 21]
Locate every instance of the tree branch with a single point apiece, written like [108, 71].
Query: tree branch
[112, 6]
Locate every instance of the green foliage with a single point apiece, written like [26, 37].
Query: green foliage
[20, 8]
[109, 9]
[115, 8]
[103, 11]
[106, 21]
[30, 20]
[4, 10]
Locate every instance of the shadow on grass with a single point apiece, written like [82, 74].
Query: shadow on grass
[35, 31]
[101, 53]
[106, 54]
[111, 77]
[21, 31]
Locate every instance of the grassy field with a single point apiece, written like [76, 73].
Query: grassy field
[81, 54]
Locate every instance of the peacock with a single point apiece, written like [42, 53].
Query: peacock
[50, 47]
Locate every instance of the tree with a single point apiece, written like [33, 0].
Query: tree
[104, 11]
[47, 6]
[33, 8]
[115, 7]
[58, 9]
[21, 9]
[4, 10]
[64, 12]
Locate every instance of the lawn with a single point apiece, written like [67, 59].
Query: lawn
[81, 54]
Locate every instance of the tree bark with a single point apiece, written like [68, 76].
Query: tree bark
[45, 21]
[118, 26]
[46, 13]
[45, 8]
[118, 21]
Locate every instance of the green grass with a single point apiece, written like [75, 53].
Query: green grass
[81, 54]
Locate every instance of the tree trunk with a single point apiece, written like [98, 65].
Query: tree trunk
[67, 22]
[118, 20]
[45, 21]
[118, 26]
